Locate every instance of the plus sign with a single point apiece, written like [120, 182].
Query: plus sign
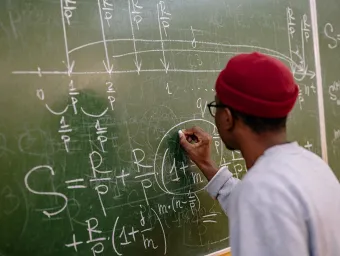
[132, 233]
[184, 167]
[74, 244]
[313, 88]
[122, 176]
[308, 146]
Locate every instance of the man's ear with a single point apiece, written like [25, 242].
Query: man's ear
[229, 119]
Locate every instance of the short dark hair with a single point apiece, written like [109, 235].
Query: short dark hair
[260, 124]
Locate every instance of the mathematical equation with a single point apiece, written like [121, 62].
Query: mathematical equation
[162, 172]
[121, 235]
[332, 36]
[299, 35]
[333, 39]
[185, 203]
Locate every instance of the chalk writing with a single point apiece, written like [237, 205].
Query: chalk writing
[299, 68]
[168, 88]
[334, 90]
[64, 130]
[305, 27]
[125, 237]
[136, 12]
[137, 18]
[308, 146]
[331, 35]
[49, 168]
[101, 131]
[107, 9]
[110, 92]
[202, 106]
[163, 24]
[136, 185]
[68, 7]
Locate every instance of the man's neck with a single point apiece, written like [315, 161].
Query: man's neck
[255, 146]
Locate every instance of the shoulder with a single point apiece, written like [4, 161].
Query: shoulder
[264, 187]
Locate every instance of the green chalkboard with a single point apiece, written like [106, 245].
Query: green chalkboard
[329, 34]
[92, 96]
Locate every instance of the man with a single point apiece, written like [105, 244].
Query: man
[289, 201]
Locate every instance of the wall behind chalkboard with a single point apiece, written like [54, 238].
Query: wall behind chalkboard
[92, 96]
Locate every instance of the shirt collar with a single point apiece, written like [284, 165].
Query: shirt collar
[290, 146]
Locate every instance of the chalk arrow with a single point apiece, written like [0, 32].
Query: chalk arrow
[305, 72]
[69, 67]
[311, 74]
[108, 67]
[39, 72]
[138, 65]
[165, 65]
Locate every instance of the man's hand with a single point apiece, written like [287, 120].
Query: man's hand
[196, 143]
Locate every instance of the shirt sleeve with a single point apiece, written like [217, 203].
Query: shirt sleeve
[267, 227]
[221, 186]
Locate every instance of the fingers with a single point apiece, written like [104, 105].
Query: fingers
[196, 143]
[184, 142]
[193, 130]
[198, 132]
[189, 138]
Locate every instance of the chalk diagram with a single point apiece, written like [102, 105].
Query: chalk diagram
[168, 168]
[296, 59]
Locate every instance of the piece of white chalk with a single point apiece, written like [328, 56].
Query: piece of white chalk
[180, 133]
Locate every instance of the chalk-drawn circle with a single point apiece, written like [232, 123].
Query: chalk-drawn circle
[165, 171]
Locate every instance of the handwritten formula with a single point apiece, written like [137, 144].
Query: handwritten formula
[99, 154]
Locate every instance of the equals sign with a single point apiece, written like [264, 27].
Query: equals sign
[209, 216]
[71, 182]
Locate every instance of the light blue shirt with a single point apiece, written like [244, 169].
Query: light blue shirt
[287, 204]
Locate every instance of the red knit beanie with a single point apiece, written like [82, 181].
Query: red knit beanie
[258, 85]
